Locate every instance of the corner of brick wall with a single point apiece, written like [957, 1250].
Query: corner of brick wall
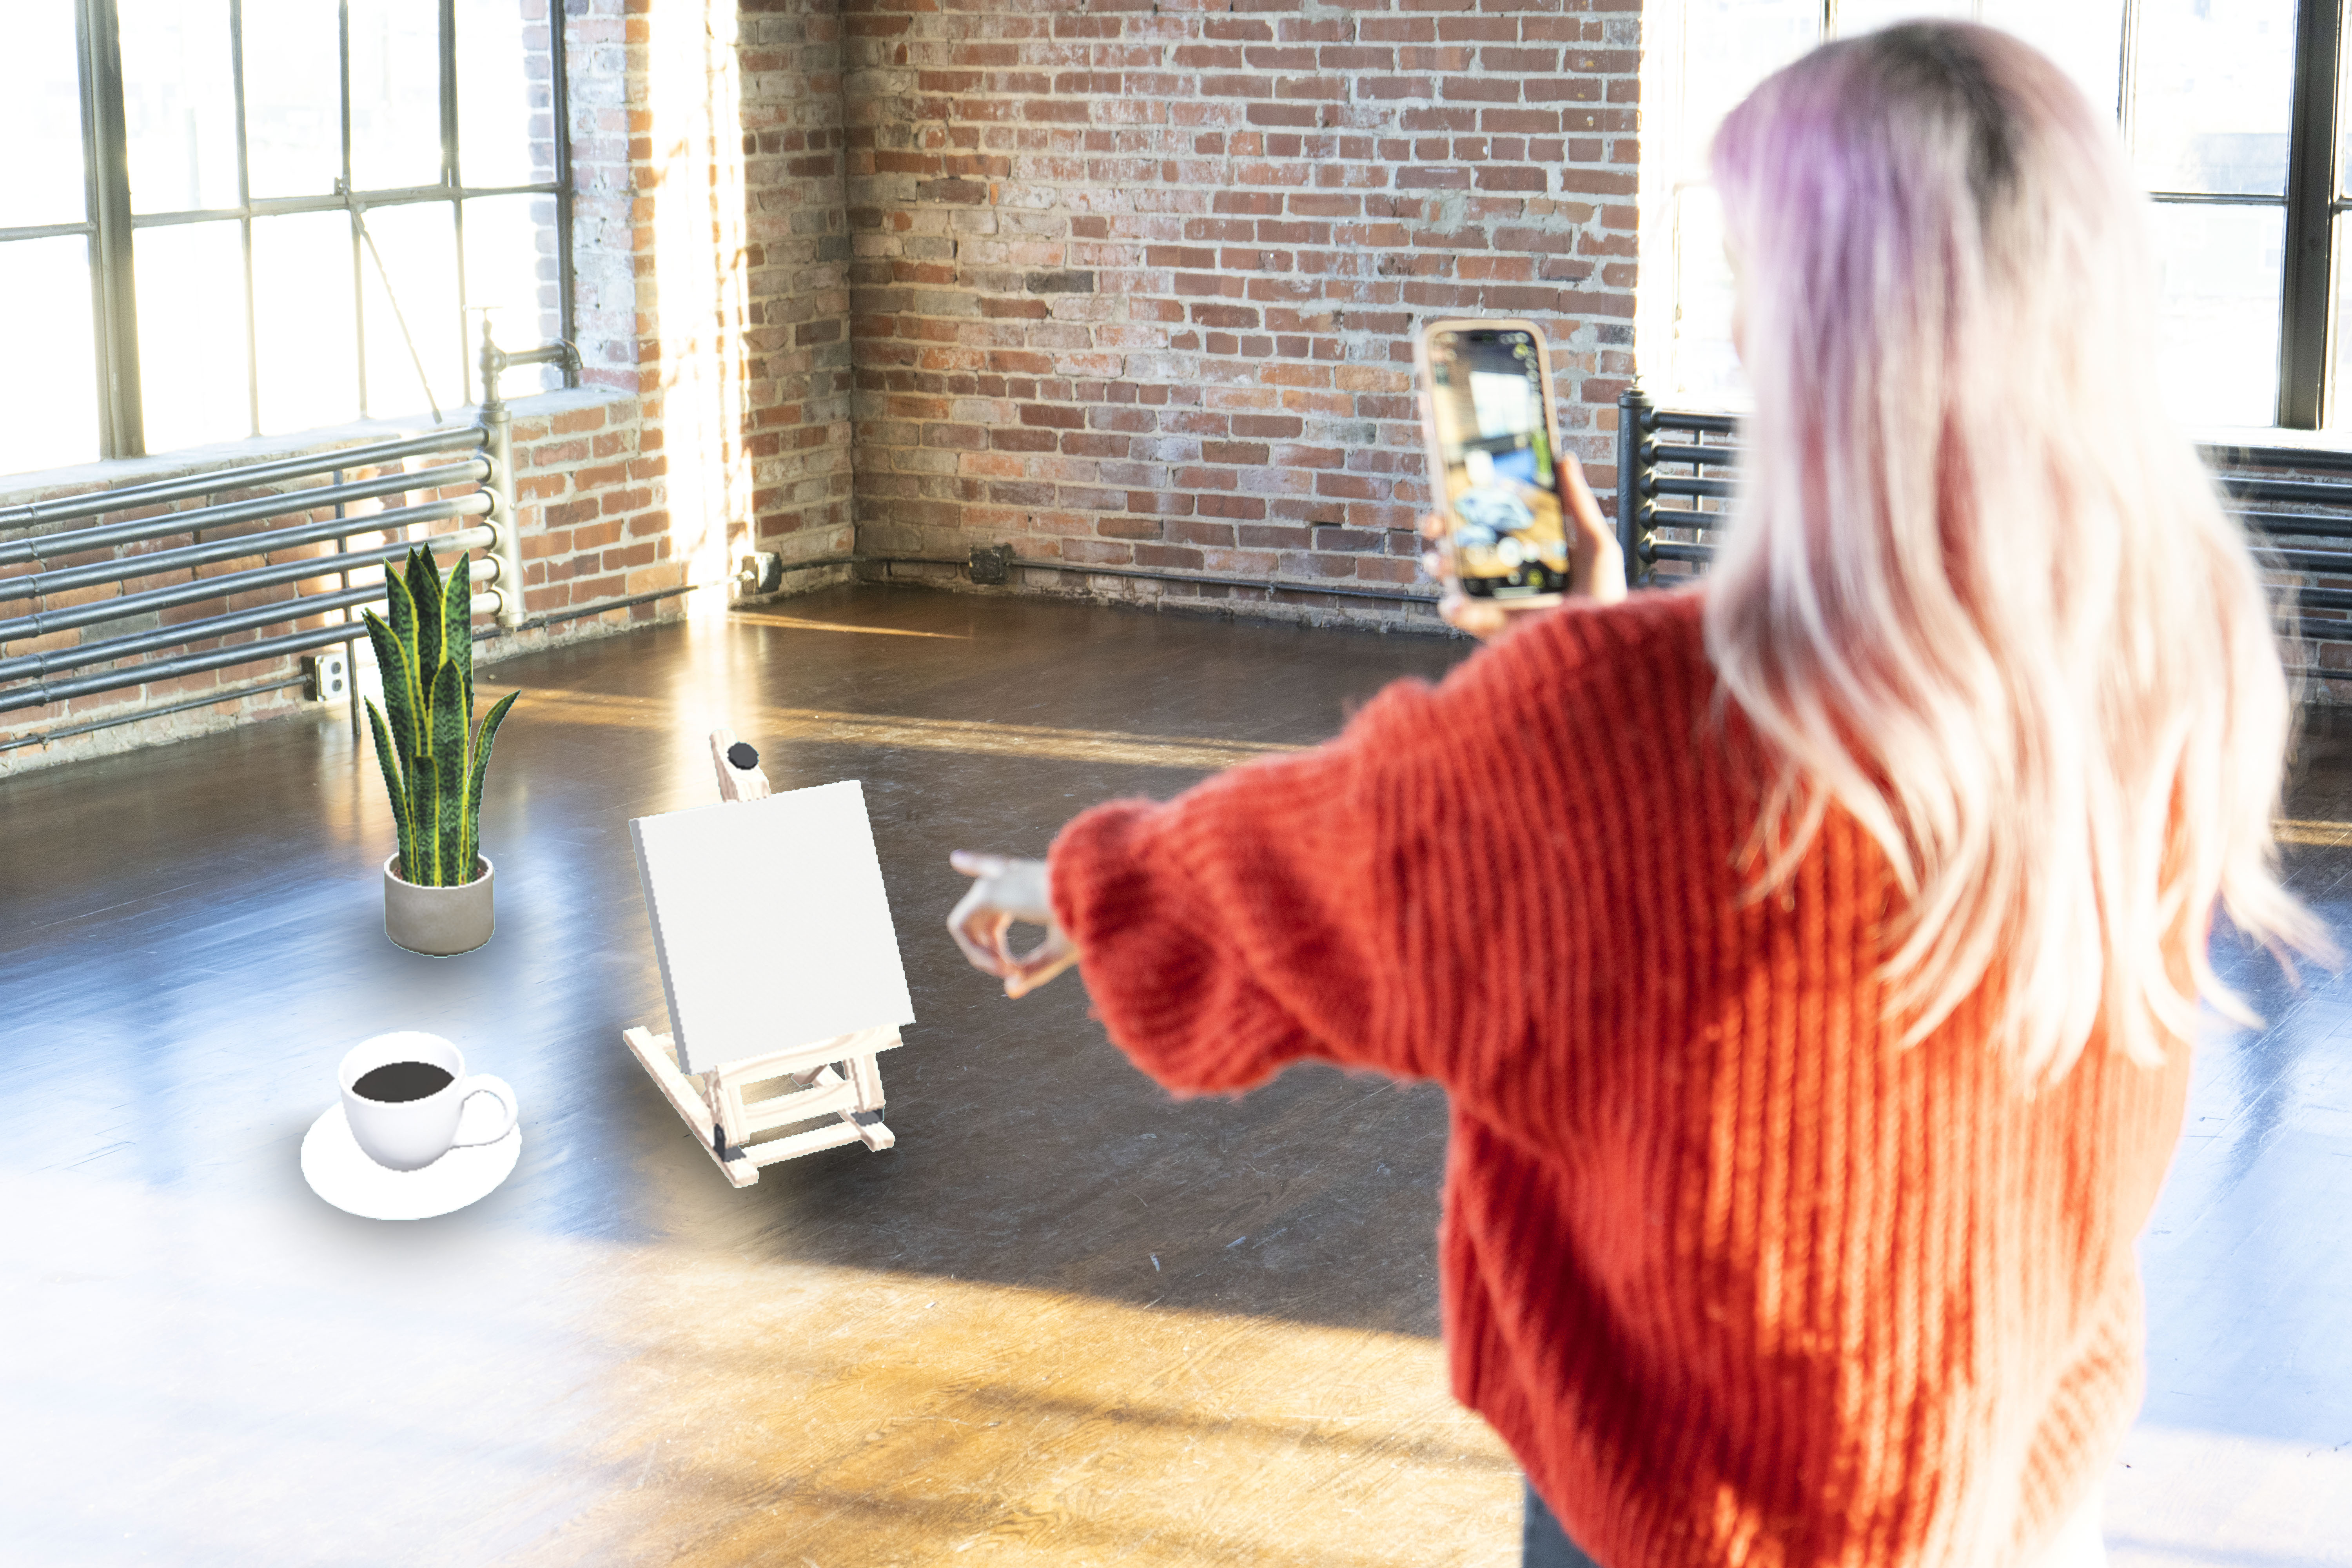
[606, 527]
[598, 521]
[1137, 287]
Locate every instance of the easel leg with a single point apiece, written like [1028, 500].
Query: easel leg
[865, 1075]
[688, 1097]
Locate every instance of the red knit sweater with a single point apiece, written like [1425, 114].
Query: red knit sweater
[1738, 1281]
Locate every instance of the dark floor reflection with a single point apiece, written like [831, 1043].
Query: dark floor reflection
[192, 936]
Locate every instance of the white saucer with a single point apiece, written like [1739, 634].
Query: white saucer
[339, 1171]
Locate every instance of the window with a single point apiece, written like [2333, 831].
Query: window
[2230, 111]
[233, 217]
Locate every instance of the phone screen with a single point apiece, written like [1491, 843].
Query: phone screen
[1487, 398]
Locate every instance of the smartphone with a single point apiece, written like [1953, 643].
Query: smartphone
[1486, 409]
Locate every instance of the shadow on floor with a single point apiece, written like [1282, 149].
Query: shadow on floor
[192, 939]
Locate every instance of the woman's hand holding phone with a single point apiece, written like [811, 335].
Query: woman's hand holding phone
[1596, 563]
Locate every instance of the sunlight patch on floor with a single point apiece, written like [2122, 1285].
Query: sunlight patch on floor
[245, 1375]
[796, 623]
[857, 1421]
[2179, 1498]
[817, 726]
[2296, 830]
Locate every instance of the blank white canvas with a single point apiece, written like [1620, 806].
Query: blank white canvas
[770, 924]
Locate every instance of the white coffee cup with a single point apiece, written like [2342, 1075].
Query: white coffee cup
[410, 1134]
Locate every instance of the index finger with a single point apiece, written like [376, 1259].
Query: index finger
[1578, 493]
[976, 865]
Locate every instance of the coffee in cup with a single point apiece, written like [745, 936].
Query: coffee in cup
[403, 1094]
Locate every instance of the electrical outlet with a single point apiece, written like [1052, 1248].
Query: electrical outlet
[329, 676]
[991, 564]
[761, 573]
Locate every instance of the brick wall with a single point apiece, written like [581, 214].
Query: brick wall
[710, 256]
[1136, 281]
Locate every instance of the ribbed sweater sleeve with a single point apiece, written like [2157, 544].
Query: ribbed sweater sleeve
[1252, 921]
[1347, 903]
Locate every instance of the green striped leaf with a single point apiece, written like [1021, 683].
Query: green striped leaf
[448, 822]
[413, 676]
[482, 742]
[424, 807]
[433, 764]
[458, 631]
[388, 759]
[424, 589]
[392, 660]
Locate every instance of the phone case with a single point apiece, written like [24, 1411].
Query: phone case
[1434, 458]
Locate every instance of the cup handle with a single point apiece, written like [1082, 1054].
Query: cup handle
[487, 1085]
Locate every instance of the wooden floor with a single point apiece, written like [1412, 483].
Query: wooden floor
[1068, 1320]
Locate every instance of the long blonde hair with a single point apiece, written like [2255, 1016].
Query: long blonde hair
[1979, 592]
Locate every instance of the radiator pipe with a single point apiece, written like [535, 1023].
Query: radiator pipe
[97, 503]
[42, 694]
[131, 567]
[283, 503]
[1637, 417]
[498, 428]
[302, 606]
[126, 605]
[227, 694]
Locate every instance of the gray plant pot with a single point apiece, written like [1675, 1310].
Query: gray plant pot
[439, 922]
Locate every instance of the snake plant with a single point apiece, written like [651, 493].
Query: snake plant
[433, 756]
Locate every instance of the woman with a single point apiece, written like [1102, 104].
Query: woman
[1863, 889]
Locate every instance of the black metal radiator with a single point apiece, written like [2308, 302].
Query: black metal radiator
[1674, 475]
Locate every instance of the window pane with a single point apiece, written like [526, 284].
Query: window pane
[1867, 16]
[419, 246]
[504, 127]
[510, 269]
[1730, 46]
[306, 338]
[179, 102]
[2220, 269]
[2214, 80]
[293, 97]
[2339, 365]
[1707, 366]
[395, 94]
[192, 370]
[2086, 37]
[2343, 124]
[40, 117]
[60, 426]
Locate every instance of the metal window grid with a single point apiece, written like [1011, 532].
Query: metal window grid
[110, 227]
[2312, 200]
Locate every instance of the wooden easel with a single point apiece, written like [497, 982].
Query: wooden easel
[835, 1078]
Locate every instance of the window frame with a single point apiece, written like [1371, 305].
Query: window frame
[2307, 292]
[110, 228]
[2310, 202]
[2314, 204]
